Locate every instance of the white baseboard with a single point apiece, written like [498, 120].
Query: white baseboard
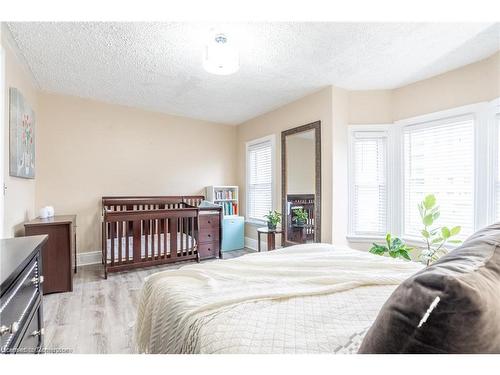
[251, 243]
[92, 257]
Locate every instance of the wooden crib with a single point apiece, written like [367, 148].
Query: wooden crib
[147, 231]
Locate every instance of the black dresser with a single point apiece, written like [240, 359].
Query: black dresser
[21, 319]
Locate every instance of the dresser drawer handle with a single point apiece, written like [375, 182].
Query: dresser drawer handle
[35, 280]
[14, 327]
[39, 332]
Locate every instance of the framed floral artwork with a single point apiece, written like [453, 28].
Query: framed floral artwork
[22, 136]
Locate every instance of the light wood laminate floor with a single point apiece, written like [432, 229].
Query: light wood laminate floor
[98, 316]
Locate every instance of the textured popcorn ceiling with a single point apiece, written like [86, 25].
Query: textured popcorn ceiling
[157, 66]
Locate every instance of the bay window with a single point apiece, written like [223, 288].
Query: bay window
[393, 167]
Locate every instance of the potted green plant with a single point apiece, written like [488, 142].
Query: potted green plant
[273, 219]
[395, 248]
[435, 238]
[299, 216]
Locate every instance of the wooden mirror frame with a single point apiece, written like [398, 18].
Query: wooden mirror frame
[316, 126]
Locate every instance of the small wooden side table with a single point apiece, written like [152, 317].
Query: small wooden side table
[271, 237]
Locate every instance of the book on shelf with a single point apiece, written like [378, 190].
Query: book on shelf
[224, 196]
[229, 208]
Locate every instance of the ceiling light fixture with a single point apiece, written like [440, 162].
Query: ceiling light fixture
[220, 57]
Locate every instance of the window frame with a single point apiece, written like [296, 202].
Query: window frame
[272, 139]
[372, 128]
[493, 131]
[485, 138]
[430, 123]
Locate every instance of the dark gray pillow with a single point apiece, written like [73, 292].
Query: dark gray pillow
[460, 294]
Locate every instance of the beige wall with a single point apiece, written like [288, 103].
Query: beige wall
[87, 149]
[19, 203]
[473, 83]
[314, 107]
[301, 155]
[370, 107]
[340, 119]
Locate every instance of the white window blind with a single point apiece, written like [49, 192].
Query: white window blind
[259, 179]
[369, 183]
[498, 171]
[439, 160]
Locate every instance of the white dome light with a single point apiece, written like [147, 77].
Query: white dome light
[220, 56]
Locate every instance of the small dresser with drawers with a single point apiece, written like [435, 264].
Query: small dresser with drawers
[209, 233]
[21, 318]
[59, 255]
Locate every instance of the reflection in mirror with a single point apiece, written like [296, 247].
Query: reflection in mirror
[300, 157]
[301, 180]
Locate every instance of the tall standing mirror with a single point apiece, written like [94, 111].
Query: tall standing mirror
[301, 184]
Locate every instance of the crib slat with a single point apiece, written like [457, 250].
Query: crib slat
[146, 238]
[119, 237]
[154, 245]
[161, 248]
[188, 229]
[151, 239]
[185, 235]
[173, 237]
[158, 236]
[165, 238]
[157, 240]
[180, 251]
[191, 236]
[112, 236]
[137, 231]
[152, 250]
[153, 227]
[127, 241]
[181, 235]
[148, 241]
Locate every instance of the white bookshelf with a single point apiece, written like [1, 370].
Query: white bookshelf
[225, 196]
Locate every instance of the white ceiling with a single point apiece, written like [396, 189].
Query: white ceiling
[157, 66]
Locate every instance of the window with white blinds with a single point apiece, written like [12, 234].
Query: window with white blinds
[439, 160]
[369, 183]
[259, 178]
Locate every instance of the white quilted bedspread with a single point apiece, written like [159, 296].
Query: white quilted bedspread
[302, 299]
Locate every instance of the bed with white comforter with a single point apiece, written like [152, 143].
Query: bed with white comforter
[312, 298]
